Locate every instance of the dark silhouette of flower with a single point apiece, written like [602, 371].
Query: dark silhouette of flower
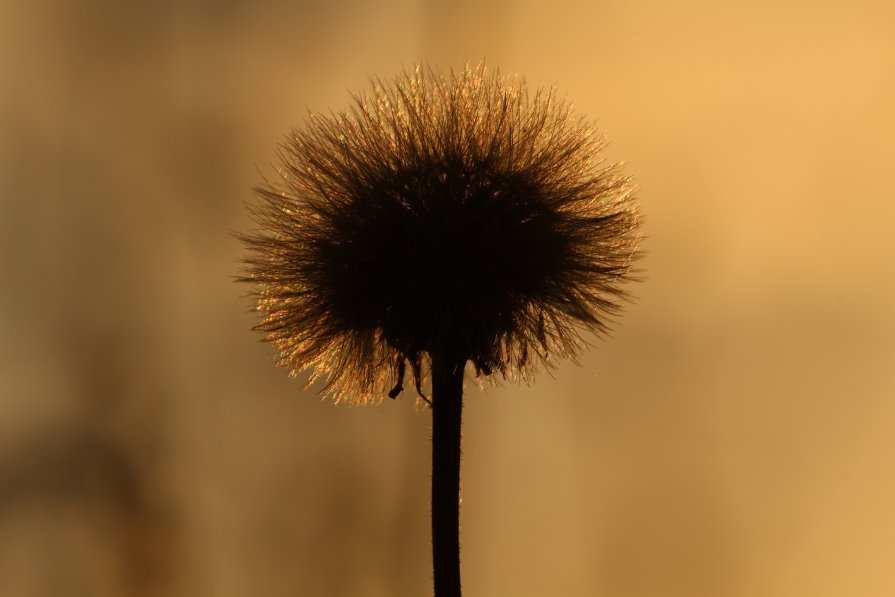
[441, 213]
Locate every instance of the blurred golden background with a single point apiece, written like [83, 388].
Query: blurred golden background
[734, 439]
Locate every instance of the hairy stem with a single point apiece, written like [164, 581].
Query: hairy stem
[447, 407]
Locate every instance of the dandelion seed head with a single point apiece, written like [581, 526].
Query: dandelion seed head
[450, 213]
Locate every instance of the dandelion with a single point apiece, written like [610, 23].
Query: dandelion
[441, 220]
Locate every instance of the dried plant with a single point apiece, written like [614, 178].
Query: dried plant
[442, 219]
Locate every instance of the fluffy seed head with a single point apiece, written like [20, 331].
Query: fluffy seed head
[440, 214]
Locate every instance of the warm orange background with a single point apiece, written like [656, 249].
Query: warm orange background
[736, 438]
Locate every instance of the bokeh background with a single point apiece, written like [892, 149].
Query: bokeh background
[735, 438]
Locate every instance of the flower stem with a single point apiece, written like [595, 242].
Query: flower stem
[447, 406]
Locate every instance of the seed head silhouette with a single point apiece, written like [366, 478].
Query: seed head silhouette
[441, 213]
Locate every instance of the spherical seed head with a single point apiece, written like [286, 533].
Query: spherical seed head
[441, 214]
